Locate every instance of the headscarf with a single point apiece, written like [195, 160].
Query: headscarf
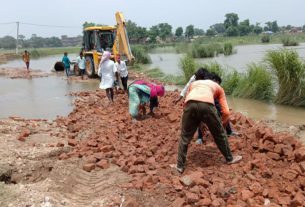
[155, 90]
[106, 56]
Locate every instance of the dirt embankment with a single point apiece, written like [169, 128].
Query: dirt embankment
[98, 156]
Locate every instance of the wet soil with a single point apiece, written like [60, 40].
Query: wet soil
[18, 73]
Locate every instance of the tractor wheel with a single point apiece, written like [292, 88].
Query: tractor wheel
[59, 66]
[90, 67]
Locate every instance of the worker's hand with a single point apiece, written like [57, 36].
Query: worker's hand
[177, 100]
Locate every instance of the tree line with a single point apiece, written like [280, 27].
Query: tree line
[9, 42]
[231, 26]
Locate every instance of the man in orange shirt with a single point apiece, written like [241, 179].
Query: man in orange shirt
[26, 59]
[199, 107]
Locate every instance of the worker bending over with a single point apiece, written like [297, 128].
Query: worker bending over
[199, 107]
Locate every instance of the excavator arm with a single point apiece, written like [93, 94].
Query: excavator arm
[121, 45]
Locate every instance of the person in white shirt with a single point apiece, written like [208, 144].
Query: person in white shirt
[107, 70]
[81, 63]
[122, 70]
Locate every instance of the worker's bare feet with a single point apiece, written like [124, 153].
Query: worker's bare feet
[178, 169]
[236, 159]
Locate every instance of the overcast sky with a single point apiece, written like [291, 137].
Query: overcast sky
[201, 13]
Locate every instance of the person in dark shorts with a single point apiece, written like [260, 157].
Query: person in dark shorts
[26, 59]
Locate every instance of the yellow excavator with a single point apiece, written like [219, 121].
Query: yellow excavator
[98, 39]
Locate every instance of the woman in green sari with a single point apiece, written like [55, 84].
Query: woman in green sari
[141, 93]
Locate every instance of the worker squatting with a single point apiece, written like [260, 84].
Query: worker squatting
[204, 103]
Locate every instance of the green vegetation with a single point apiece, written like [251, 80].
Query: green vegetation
[157, 74]
[141, 54]
[231, 81]
[227, 49]
[289, 41]
[41, 52]
[203, 51]
[188, 66]
[265, 38]
[255, 84]
[215, 68]
[249, 39]
[290, 72]
[286, 86]
[210, 50]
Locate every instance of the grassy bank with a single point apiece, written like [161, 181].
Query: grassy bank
[157, 74]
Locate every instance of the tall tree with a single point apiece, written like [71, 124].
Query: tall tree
[88, 24]
[179, 32]
[7, 42]
[211, 32]
[218, 27]
[232, 31]
[274, 26]
[165, 30]
[189, 31]
[244, 27]
[231, 24]
[135, 32]
[257, 29]
[198, 32]
[231, 20]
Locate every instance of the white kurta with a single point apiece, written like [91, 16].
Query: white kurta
[122, 69]
[107, 71]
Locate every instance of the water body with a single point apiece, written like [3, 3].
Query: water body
[39, 97]
[48, 97]
[45, 63]
[168, 61]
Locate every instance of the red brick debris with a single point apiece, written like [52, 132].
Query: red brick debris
[272, 171]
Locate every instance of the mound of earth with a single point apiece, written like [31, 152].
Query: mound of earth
[272, 171]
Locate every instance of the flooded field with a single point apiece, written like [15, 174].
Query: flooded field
[168, 61]
[30, 98]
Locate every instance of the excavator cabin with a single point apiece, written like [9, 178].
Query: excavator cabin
[98, 39]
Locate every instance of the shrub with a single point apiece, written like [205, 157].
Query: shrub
[34, 54]
[206, 50]
[231, 81]
[289, 41]
[228, 49]
[188, 67]
[215, 67]
[290, 72]
[255, 84]
[140, 54]
[265, 38]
